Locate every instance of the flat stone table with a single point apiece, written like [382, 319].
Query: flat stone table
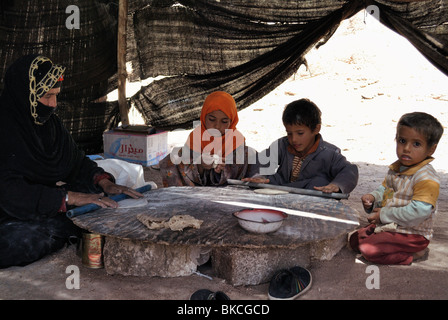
[316, 228]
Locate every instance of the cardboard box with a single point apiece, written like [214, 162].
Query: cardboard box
[136, 144]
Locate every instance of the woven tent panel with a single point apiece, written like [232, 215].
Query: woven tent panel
[40, 27]
[88, 53]
[247, 48]
[244, 47]
[246, 58]
[424, 24]
[270, 11]
[419, 13]
[201, 37]
[88, 124]
[427, 17]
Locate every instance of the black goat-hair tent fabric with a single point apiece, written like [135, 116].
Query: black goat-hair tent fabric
[246, 48]
[88, 53]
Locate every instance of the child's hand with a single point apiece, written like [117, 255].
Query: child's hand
[367, 201]
[220, 167]
[329, 188]
[209, 162]
[375, 216]
[256, 180]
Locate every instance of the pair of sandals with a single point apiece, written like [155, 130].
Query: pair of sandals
[286, 284]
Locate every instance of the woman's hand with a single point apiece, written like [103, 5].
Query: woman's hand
[81, 199]
[220, 167]
[209, 162]
[111, 188]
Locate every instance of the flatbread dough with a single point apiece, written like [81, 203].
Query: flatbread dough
[152, 223]
[178, 223]
[175, 223]
[132, 203]
[270, 191]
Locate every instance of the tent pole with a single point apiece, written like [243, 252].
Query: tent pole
[121, 61]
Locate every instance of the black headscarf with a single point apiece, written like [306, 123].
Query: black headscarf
[40, 151]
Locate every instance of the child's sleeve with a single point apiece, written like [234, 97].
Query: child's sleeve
[378, 193]
[345, 173]
[426, 191]
[411, 215]
[424, 199]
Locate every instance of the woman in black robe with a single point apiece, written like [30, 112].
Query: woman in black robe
[42, 171]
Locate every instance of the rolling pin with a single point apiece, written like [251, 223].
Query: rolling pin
[91, 207]
[306, 192]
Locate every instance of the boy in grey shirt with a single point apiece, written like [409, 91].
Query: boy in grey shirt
[303, 158]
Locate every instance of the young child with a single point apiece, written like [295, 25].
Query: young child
[214, 152]
[303, 158]
[402, 209]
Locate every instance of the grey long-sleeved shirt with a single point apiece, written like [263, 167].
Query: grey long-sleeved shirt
[324, 166]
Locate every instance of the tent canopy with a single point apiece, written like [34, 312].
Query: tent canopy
[246, 48]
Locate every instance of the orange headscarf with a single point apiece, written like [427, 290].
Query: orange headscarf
[200, 138]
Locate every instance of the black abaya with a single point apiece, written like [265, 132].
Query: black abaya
[34, 158]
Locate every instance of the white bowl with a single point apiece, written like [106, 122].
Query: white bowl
[260, 220]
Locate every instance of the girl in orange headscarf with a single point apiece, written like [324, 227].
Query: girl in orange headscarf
[214, 152]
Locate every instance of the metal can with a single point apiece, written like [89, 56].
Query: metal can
[92, 250]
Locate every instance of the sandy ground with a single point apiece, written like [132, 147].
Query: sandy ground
[363, 80]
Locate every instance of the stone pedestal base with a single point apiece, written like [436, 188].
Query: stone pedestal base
[326, 249]
[139, 258]
[238, 266]
[242, 266]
